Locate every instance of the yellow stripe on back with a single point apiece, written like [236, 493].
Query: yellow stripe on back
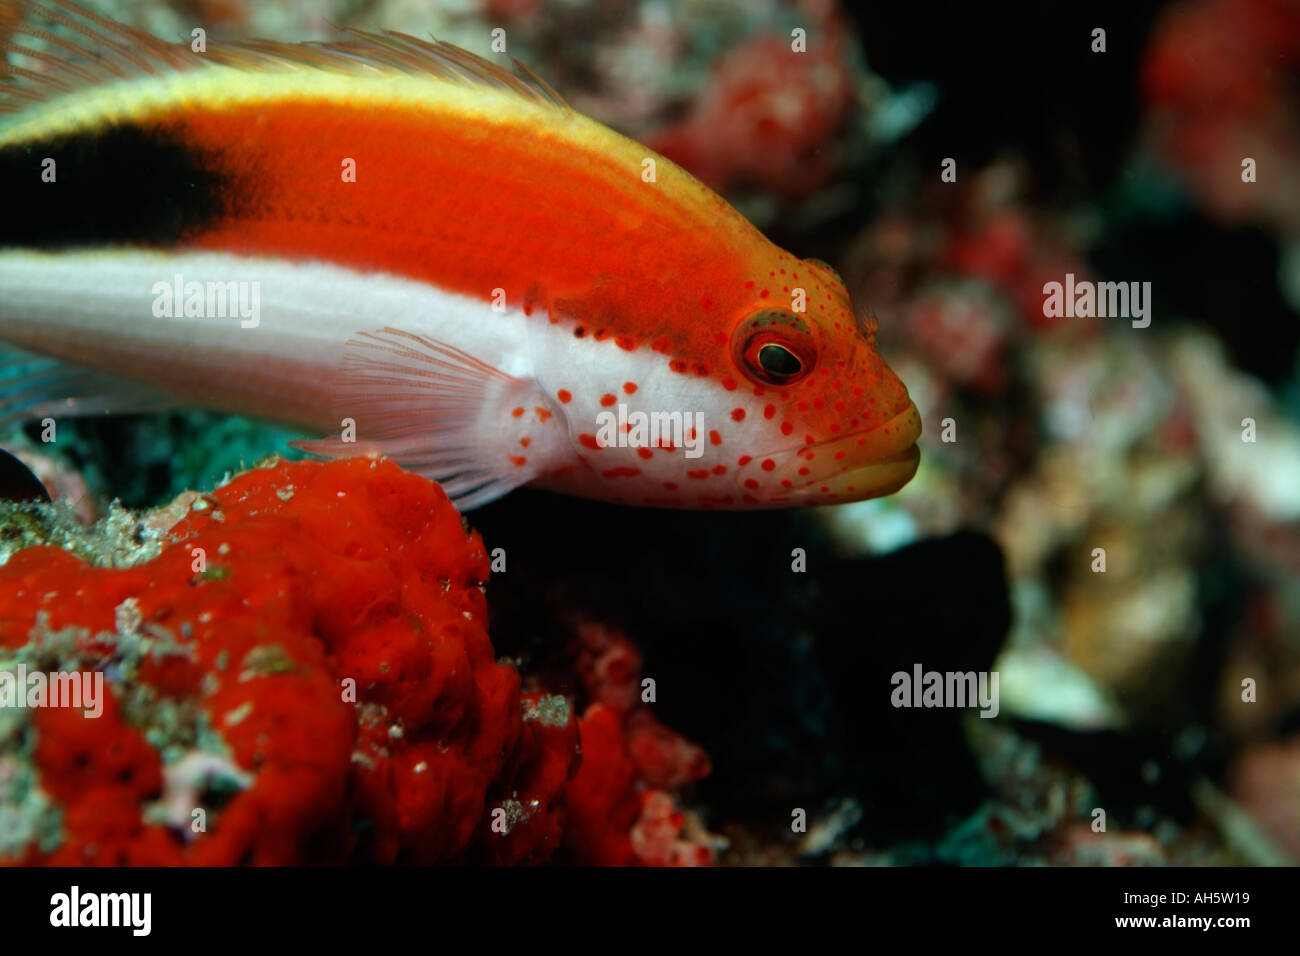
[94, 73]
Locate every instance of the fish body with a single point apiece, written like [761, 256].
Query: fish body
[402, 246]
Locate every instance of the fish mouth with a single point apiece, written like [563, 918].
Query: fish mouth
[852, 467]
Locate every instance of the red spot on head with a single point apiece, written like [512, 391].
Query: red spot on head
[625, 342]
[751, 484]
[525, 442]
[543, 414]
[787, 428]
[629, 387]
[769, 411]
[519, 460]
[744, 460]
[670, 485]
[768, 464]
[715, 438]
[516, 412]
[719, 469]
[564, 396]
[645, 452]
[607, 399]
[589, 441]
[621, 472]
[698, 473]
[662, 344]
[737, 414]
[729, 384]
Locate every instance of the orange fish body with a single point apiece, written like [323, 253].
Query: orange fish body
[436, 260]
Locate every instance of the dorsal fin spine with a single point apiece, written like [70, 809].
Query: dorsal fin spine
[96, 51]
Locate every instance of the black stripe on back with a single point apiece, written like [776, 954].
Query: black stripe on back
[117, 184]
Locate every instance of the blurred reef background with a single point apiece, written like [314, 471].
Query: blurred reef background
[1121, 691]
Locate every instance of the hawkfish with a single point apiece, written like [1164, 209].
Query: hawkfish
[415, 252]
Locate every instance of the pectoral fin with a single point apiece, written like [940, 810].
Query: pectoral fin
[431, 408]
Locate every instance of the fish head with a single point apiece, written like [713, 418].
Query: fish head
[835, 423]
[764, 392]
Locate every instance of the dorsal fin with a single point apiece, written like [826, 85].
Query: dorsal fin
[53, 48]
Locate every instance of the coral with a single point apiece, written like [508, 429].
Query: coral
[1081, 846]
[119, 539]
[306, 662]
[767, 118]
[1128, 441]
[963, 332]
[617, 821]
[1266, 782]
[610, 668]
[623, 810]
[1219, 77]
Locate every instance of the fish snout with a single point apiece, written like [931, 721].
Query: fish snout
[862, 464]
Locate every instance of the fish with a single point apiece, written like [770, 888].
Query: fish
[413, 251]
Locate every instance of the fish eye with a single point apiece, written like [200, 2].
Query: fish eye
[773, 347]
[778, 361]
